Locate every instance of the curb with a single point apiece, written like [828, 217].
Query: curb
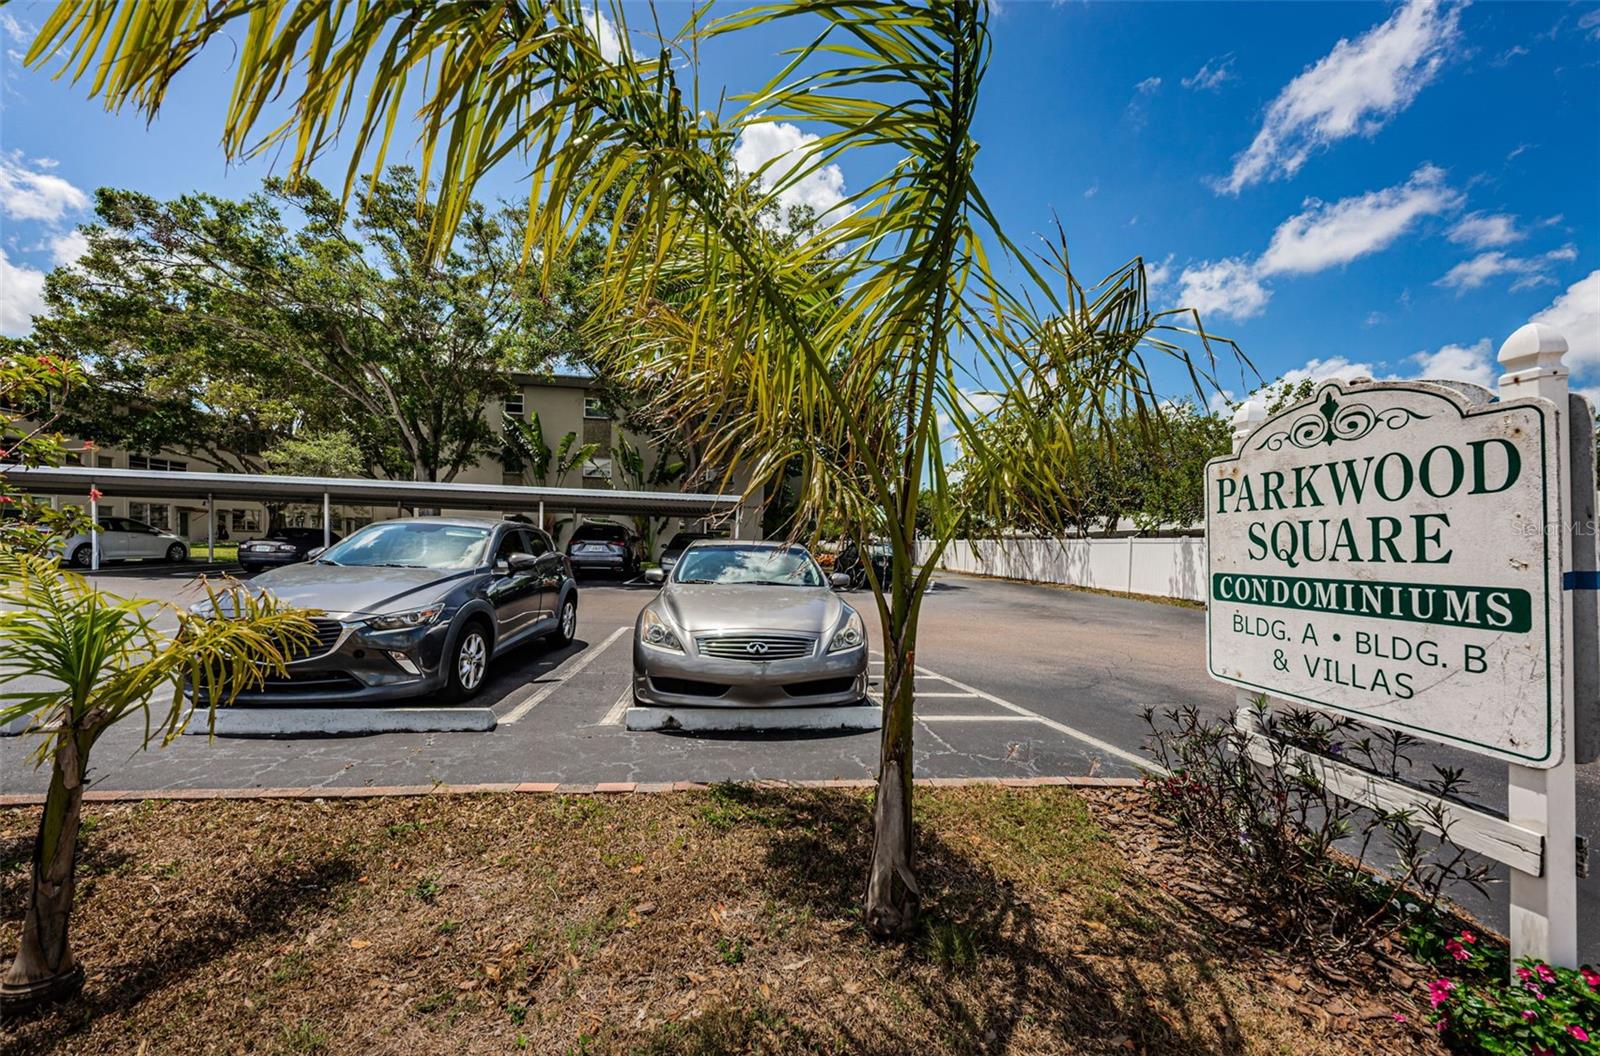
[602, 788]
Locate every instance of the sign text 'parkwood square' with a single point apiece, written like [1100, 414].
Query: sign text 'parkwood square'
[1383, 551]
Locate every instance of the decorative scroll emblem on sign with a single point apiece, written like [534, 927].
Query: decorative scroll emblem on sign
[1332, 422]
[1391, 552]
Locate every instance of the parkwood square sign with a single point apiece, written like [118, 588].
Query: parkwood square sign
[1390, 552]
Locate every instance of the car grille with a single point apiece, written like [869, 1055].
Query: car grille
[311, 682]
[328, 634]
[821, 687]
[755, 647]
[685, 687]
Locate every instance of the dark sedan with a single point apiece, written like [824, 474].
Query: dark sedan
[678, 544]
[419, 607]
[282, 546]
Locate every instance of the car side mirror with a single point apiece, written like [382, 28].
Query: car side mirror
[315, 552]
[839, 580]
[654, 576]
[523, 562]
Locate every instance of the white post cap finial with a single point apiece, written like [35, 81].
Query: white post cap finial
[1534, 347]
[1246, 417]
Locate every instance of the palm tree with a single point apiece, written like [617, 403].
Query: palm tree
[860, 351]
[98, 659]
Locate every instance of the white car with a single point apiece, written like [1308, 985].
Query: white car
[125, 539]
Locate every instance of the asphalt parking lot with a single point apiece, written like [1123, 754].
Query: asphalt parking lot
[980, 714]
[1014, 681]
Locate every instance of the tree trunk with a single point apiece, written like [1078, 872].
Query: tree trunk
[44, 970]
[893, 898]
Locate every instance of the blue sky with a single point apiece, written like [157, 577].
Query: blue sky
[1387, 189]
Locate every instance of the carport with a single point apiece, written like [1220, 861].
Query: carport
[135, 483]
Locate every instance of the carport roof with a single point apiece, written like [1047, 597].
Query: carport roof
[136, 483]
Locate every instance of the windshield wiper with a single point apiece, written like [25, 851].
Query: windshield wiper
[695, 581]
[396, 564]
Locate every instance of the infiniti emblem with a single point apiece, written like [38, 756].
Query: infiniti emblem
[755, 647]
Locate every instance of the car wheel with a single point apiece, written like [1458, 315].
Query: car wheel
[567, 621]
[177, 552]
[83, 556]
[468, 663]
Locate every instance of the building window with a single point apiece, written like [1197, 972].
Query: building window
[597, 469]
[162, 465]
[514, 406]
[151, 513]
[105, 462]
[594, 407]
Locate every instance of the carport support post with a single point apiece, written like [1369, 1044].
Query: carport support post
[211, 528]
[541, 515]
[1544, 908]
[94, 531]
[327, 538]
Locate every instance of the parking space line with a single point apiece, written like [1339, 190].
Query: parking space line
[1144, 762]
[975, 718]
[619, 709]
[561, 675]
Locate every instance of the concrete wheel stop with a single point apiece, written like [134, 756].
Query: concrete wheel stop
[737, 720]
[336, 722]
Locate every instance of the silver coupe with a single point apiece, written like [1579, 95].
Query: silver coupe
[748, 625]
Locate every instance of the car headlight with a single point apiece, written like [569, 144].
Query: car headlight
[404, 621]
[853, 635]
[656, 632]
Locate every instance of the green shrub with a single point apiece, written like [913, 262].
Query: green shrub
[1540, 1010]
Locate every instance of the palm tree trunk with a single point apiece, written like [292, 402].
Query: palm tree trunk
[893, 897]
[44, 969]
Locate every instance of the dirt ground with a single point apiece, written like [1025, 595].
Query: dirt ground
[1058, 921]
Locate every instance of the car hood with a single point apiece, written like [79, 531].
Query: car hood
[697, 607]
[355, 588]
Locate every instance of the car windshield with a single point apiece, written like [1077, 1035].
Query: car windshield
[751, 565]
[409, 544]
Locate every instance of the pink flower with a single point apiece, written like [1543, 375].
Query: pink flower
[1529, 1015]
[1456, 950]
[1591, 977]
[96, 494]
[1439, 992]
[1524, 974]
[1400, 1017]
[1467, 936]
[1579, 1033]
[88, 445]
[1545, 973]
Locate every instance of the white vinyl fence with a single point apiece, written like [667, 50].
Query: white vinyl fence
[1160, 567]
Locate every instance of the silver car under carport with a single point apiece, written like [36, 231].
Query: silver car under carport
[741, 628]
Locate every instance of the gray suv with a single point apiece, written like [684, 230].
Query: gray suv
[417, 607]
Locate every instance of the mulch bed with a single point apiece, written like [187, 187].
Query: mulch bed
[1058, 921]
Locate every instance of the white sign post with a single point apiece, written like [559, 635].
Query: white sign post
[1395, 553]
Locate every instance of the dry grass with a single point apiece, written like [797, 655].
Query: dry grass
[691, 924]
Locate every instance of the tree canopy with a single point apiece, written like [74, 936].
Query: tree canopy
[225, 328]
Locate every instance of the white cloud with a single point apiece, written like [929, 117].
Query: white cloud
[1157, 275]
[65, 249]
[1325, 369]
[1530, 271]
[1520, 148]
[1325, 235]
[26, 194]
[1092, 191]
[1353, 90]
[14, 30]
[1211, 75]
[1223, 288]
[21, 296]
[1475, 363]
[605, 33]
[1589, 22]
[776, 151]
[1148, 85]
[1483, 230]
[1576, 315]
